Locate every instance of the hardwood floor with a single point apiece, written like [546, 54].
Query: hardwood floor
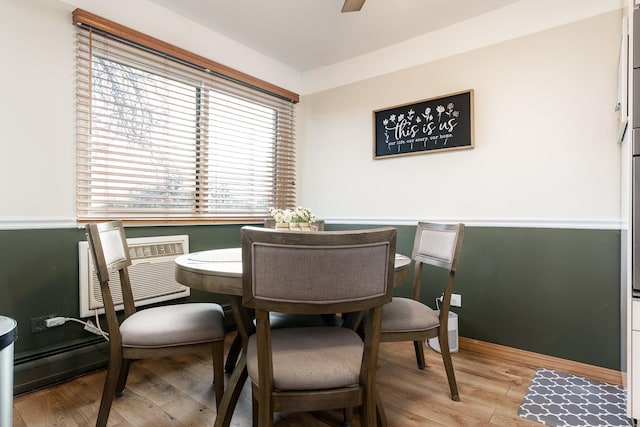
[178, 392]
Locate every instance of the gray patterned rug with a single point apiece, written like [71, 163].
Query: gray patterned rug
[558, 399]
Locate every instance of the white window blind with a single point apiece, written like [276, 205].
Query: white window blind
[162, 140]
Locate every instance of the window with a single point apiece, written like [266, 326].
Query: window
[160, 139]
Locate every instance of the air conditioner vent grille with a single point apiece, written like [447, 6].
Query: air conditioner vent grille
[151, 274]
[148, 280]
[155, 250]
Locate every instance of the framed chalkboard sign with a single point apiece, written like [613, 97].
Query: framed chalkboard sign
[435, 124]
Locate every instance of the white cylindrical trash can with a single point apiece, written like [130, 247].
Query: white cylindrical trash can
[8, 335]
[452, 328]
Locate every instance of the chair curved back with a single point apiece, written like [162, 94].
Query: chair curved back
[108, 245]
[316, 273]
[438, 244]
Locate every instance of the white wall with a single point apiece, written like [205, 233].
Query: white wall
[37, 126]
[545, 137]
[562, 80]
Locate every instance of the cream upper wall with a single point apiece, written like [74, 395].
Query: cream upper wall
[37, 118]
[37, 126]
[545, 137]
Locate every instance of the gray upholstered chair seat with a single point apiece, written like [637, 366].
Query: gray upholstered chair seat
[406, 314]
[173, 325]
[303, 361]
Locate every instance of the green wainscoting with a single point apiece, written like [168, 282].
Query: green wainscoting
[39, 276]
[550, 291]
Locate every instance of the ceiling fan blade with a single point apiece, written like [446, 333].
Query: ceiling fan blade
[352, 5]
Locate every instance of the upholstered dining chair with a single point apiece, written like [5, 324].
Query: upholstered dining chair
[153, 332]
[319, 367]
[408, 319]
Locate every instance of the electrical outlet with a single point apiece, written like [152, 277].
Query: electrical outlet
[38, 323]
[456, 300]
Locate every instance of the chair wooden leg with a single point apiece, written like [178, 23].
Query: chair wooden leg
[265, 408]
[254, 410]
[232, 392]
[265, 415]
[419, 348]
[369, 410]
[122, 378]
[234, 352]
[109, 389]
[348, 417]
[443, 339]
[381, 417]
[217, 354]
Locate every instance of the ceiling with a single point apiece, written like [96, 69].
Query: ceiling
[309, 34]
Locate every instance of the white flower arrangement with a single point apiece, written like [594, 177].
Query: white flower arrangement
[297, 215]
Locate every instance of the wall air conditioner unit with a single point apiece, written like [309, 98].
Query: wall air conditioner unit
[151, 273]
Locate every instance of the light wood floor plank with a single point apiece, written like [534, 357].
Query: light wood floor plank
[178, 392]
[189, 412]
[139, 411]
